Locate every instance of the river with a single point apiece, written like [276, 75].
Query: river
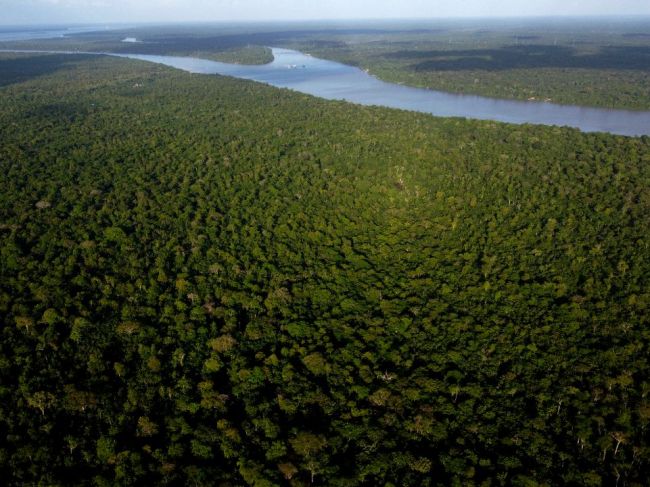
[336, 81]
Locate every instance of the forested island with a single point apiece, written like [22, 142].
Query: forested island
[209, 281]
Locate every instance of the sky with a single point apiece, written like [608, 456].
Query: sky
[105, 11]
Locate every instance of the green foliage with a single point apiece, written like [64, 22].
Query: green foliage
[238, 284]
[240, 55]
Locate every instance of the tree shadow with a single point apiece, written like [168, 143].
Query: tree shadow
[526, 57]
[25, 67]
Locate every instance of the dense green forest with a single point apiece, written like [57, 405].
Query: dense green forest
[208, 281]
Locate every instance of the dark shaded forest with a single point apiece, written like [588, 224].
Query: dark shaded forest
[207, 281]
[527, 57]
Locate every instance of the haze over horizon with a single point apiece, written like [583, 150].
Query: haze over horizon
[107, 11]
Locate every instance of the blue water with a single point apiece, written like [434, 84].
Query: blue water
[336, 81]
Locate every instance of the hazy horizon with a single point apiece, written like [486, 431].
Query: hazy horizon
[334, 20]
[48, 12]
